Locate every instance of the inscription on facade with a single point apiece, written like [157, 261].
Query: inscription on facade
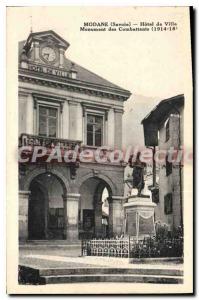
[47, 70]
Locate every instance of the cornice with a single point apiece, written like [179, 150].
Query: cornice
[44, 96]
[72, 102]
[23, 93]
[72, 85]
[100, 106]
[38, 97]
[118, 110]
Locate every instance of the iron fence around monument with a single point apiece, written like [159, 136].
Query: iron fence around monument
[106, 247]
[131, 248]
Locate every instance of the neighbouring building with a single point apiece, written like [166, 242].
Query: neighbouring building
[163, 130]
[64, 106]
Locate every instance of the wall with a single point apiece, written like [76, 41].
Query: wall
[171, 183]
[92, 175]
[25, 107]
[72, 115]
[72, 126]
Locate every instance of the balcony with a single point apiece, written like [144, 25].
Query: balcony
[48, 142]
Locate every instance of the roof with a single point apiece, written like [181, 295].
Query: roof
[163, 109]
[85, 75]
[49, 32]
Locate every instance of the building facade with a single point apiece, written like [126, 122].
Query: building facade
[163, 130]
[65, 108]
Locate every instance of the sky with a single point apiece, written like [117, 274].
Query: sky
[153, 66]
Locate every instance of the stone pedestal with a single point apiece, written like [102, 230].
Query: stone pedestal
[139, 216]
[71, 215]
[23, 215]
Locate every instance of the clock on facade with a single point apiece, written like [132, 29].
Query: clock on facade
[48, 54]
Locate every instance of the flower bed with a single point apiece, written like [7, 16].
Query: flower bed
[153, 247]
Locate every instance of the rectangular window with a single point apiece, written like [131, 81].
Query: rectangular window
[47, 121]
[167, 137]
[94, 130]
[168, 167]
[168, 204]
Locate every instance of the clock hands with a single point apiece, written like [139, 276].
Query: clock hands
[46, 56]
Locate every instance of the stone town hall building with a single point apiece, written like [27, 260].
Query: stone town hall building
[63, 105]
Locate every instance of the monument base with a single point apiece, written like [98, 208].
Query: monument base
[139, 216]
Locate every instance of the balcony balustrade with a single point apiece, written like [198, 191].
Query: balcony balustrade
[48, 142]
[84, 153]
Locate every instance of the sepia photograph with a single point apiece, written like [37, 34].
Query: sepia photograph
[100, 157]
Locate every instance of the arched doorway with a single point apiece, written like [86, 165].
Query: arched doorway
[46, 208]
[95, 211]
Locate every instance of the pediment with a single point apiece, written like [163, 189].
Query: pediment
[49, 37]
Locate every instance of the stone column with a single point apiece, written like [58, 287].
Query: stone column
[117, 213]
[79, 133]
[65, 216]
[61, 57]
[36, 51]
[65, 121]
[29, 115]
[23, 215]
[22, 106]
[72, 216]
[98, 219]
[118, 128]
[73, 120]
[111, 129]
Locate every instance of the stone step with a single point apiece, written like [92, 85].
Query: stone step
[102, 270]
[104, 274]
[111, 278]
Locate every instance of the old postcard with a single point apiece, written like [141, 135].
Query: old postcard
[99, 150]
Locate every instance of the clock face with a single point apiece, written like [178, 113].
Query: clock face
[48, 54]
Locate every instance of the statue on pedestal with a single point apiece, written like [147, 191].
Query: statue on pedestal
[138, 208]
[136, 181]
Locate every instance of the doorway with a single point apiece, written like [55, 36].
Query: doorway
[46, 208]
[36, 213]
[95, 213]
